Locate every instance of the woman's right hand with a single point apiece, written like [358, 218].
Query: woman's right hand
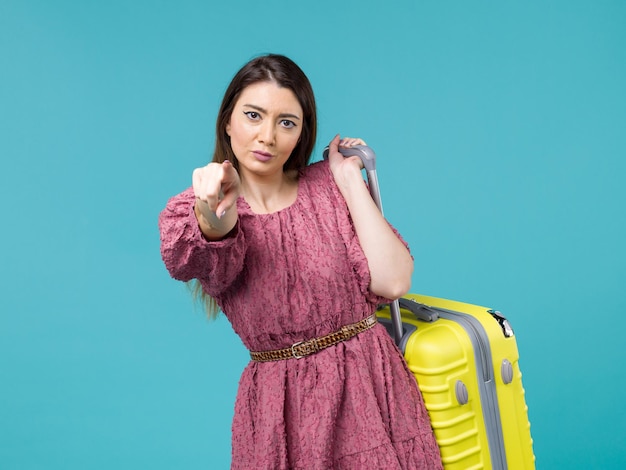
[216, 187]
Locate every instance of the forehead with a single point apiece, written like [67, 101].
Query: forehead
[270, 97]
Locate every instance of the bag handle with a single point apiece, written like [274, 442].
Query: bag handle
[420, 311]
[368, 157]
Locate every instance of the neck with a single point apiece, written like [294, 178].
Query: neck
[269, 194]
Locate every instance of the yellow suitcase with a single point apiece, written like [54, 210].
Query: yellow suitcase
[465, 360]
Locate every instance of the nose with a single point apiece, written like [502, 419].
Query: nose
[267, 133]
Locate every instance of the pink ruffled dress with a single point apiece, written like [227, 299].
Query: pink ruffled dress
[288, 276]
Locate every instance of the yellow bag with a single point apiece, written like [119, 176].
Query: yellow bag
[465, 360]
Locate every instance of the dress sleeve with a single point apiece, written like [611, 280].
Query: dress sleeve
[188, 255]
[361, 267]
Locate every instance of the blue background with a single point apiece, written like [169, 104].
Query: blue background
[500, 130]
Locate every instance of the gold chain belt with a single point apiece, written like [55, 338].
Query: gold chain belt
[306, 348]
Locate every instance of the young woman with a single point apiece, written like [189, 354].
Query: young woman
[298, 257]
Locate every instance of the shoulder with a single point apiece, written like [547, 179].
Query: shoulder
[317, 183]
[316, 171]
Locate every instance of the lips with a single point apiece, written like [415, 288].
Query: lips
[262, 156]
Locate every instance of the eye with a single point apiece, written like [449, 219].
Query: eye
[252, 115]
[287, 124]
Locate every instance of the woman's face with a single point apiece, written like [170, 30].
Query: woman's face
[264, 128]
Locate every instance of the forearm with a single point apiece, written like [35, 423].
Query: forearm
[389, 261]
[212, 227]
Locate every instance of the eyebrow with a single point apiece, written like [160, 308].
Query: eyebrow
[283, 115]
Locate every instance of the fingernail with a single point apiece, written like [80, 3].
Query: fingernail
[223, 213]
[226, 161]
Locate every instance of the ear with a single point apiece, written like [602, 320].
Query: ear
[228, 129]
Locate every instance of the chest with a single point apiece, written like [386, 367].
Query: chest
[299, 242]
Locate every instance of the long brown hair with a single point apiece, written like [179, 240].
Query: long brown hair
[285, 73]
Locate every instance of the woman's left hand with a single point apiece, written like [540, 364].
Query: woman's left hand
[343, 167]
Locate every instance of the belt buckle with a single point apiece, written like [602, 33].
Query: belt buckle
[293, 351]
[311, 348]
